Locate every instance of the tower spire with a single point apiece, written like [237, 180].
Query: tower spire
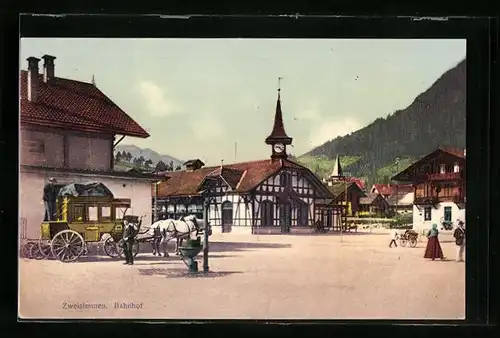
[337, 169]
[278, 134]
[93, 79]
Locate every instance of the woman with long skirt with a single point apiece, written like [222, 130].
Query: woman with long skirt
[433, 249]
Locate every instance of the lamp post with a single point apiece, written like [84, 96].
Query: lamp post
[346, 208]
[206, 210]
[155, 211]
[397, 186]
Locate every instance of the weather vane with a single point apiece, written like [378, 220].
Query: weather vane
[279, 83]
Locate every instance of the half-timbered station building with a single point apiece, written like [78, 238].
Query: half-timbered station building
[439, 187]
[266, 196]
[68, 131]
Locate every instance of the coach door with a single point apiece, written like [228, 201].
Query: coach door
[227, 216]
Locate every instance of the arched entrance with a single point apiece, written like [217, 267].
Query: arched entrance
[227, 216]
[285, 217]
[303, 215]
[267, 214]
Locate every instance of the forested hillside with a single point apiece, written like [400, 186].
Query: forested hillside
[435, 118]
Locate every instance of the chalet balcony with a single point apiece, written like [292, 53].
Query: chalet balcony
[458, 199]
[444, 177]
[426, 200]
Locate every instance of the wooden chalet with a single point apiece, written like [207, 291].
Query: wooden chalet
[269, 195]
[373, 205]
[439, 187]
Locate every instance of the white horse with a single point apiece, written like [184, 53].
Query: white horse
[180, 229]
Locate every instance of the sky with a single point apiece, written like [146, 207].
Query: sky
[214, 99]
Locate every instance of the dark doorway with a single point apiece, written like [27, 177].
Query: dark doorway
[227, 216]
[329, 218]
[267, 214]
[303, 215]
[285, 217]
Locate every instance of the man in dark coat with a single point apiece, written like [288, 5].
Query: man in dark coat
[49, 200]
[129, 233]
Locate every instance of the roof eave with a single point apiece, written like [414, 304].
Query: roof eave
[79, 127]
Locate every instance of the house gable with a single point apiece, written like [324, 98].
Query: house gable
[424, 166]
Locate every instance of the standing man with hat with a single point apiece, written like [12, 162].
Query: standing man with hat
[459, 235]
[129, 232]
[49, 200]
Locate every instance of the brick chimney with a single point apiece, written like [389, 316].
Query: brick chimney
[33, 81]
[193, 165]
[48, 68]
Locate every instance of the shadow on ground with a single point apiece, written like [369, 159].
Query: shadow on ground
[242, 246]
[184, 273]
[338, 234]
[137, 259]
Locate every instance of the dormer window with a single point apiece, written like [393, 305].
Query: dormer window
[456, 168]
[442, 169]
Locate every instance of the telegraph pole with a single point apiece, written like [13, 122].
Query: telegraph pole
[397, 186]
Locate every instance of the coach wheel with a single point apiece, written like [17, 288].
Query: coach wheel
[111, 248]
[413, 242]
[135, 248]
[402, 242]
[26, 250]
[35, 252]
[44, 247]
[67, 245]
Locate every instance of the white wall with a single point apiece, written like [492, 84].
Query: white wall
[31, 192]
[436, 214]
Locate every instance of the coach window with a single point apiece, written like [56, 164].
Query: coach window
[78, 213]
[92, 214]
[192, 209]
[105, 214]
[427, 214]
[119, 212]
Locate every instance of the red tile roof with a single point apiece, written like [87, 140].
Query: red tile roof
[75, 105]
[360, 183]
[383, 189]
[248, 174]
[393, 189]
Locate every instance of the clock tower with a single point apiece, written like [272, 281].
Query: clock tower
[278, 140]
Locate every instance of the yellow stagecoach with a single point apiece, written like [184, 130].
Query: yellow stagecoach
[84, 213]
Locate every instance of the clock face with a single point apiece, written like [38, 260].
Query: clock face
[279, 148]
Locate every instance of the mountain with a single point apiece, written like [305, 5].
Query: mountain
[147, 153]
[435, 118]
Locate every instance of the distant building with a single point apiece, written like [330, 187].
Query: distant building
[68, 131]
[274, 195]
[338, 183]
[440, 187]
[401, 203]
[374, 205]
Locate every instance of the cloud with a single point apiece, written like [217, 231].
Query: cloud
[155, 99]
[309, 112]
[329, 130]
[207, 127]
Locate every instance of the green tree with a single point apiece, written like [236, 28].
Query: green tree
[161, 166]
